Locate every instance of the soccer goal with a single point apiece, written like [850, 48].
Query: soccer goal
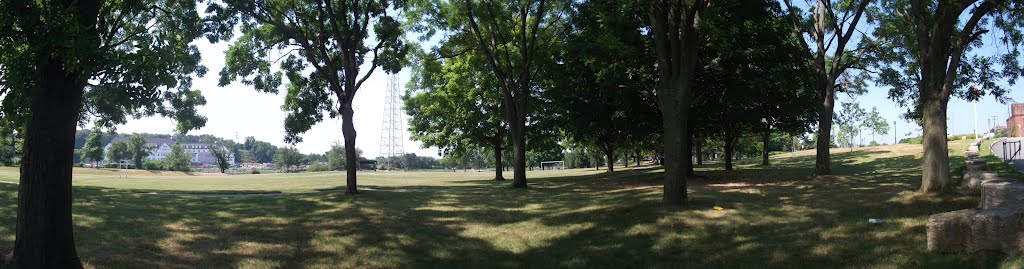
[552, 165]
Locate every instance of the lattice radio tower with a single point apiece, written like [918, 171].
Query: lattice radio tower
[391, 129]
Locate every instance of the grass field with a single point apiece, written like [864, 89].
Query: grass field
[775, 216]
[177, 182]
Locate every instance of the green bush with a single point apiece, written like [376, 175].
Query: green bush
[911, 140]
[153, 165]
[79, 165]
[255, 171]
[111, 165]
[318, 167]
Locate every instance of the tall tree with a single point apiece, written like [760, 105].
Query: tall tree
[118, 152]
[92, 149]
[65, 60]
[936, 53]
[833, 27]
[604, 76]
[751, 45]
[456, 106]
[512, 37]
[850, 119]
[288, 157]
[875, 123]
[328, 37]
[222, 158]
[178, 159]
[677, 29]
[138, 150]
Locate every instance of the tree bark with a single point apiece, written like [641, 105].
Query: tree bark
[765, 138]
[730, 145]
[45, 235]
[497, 162]
[676, 30]
[935, 162]
[348, 130]
[518, 126]
[822, 161]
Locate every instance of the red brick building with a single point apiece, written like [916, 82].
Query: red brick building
[1015, 124]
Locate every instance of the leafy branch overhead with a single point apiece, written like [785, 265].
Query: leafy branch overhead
[330, 38]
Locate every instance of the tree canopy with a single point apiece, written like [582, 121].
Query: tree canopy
[322, 46]
[934, 53]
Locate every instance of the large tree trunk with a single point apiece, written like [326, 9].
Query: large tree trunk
[676, 30]
[625, 158]
[348, 130]
[675, 152]
[497, 162]
[935, 166]
[730, 145]
[765, 138]
[822, 161]
[45, 236]
[518, 128]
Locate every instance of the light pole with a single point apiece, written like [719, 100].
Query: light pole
[976, 114]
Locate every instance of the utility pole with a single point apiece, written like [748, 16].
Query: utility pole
[976, 119]
[894, 139]
[976, 113]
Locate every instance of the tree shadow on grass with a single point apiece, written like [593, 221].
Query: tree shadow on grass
[772, 218]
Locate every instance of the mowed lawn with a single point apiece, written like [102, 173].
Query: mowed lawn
[776, 216]
[178, 182]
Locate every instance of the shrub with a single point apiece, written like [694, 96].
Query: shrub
[79, 165]
[255, 171]
[153, 165]
[318, 167]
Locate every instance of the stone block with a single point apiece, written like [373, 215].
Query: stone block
[971, 154]
[950, 232]
[969, 231]
[976, 164]
[998, 229]
[974, 179]
[1002, 193]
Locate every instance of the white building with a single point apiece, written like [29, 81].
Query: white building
[161, 147]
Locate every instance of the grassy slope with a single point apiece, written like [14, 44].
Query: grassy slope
[775, 216]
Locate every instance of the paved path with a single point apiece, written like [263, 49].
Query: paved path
[1010, 148]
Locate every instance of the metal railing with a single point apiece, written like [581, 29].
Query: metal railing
[1011, 148]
